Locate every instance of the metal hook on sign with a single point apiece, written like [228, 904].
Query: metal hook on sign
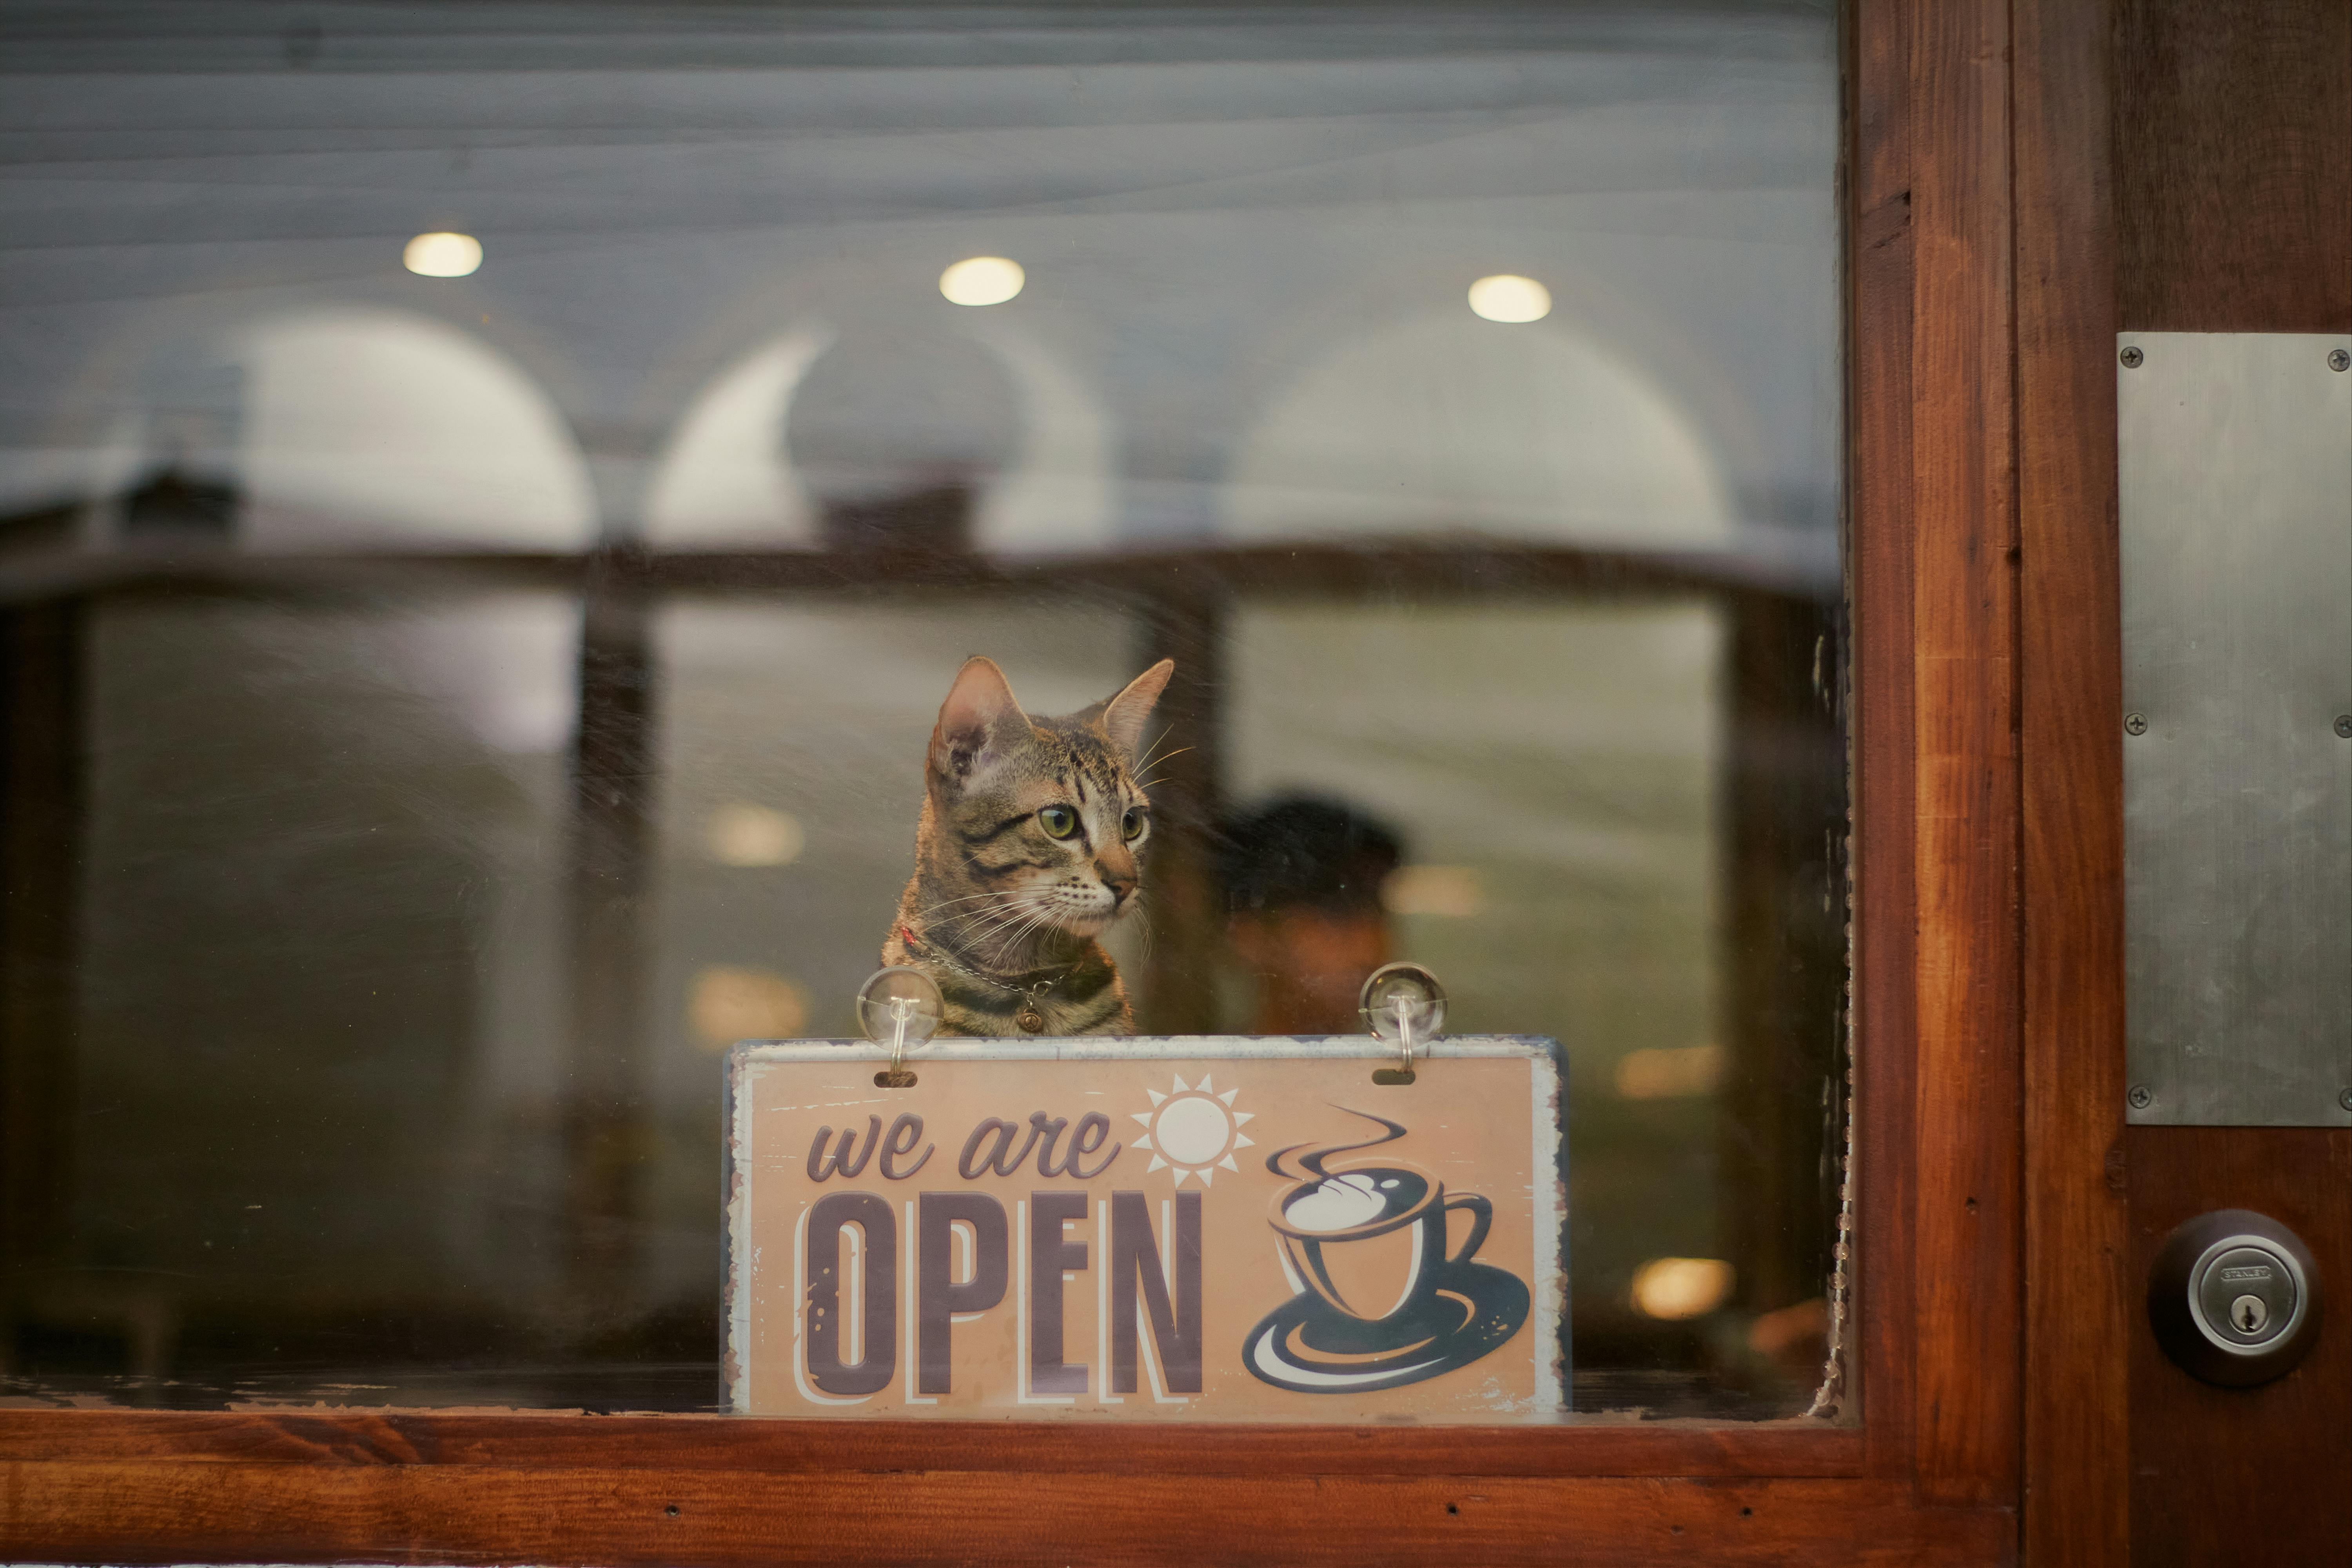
[902, 1009]
[1403, 1002]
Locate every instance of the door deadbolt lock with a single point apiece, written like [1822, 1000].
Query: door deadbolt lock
[2234, 1297]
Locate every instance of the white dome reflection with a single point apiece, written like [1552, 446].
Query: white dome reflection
[1443, 425]
[370, 426]
[723, 478]
[726, 476]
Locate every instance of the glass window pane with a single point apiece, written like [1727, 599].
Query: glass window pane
[494, 511]
[313, 1124]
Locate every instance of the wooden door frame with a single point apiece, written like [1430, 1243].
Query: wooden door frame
[2078, 1307]
[1987, 1093]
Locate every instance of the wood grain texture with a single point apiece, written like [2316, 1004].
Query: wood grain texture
[333, 1437]
[2214, 1468]
[121, 1513]
[1968, 1215]
[1880, 251]
[2234, 174]
[2076, 1490]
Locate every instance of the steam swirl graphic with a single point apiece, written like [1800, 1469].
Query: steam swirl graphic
[1310, 1163]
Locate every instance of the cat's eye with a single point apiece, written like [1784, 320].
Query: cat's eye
[1058, 821]
[1133, 824]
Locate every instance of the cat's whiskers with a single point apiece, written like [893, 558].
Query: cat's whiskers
[1155, 756]
[967, 928]
[1138, 913]
[987, 923]
[931, 909]
[1038, 915]
[1030, 909]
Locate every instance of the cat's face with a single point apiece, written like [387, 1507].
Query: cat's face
[1043, 818]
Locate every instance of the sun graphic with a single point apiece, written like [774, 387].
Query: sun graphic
[1196, 1130]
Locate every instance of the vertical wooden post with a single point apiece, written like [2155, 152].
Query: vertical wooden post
[1882, 255]
[1186, 624]
[41, 771]
[612, 830]
[1968, 1208]
[2077, 1312]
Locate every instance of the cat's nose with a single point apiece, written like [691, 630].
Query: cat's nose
[1119, 880]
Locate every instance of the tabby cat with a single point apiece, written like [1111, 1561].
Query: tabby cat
[1031, 843]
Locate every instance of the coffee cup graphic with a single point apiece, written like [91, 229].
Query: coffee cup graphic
[1382, 1298]
[1372, 1242]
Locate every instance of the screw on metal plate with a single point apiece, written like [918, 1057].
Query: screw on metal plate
[2344, 1100]
[2140, 1098]
[2136, 724]
[2132, 358]
[2344, 725]
[2338, 360]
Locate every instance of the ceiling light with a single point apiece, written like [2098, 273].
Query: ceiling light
[1669, 1074]
[1674, 1289]
[724, 1004]
[983, 281]
[442, 255]
[741, 834]
[1452, 891]
[1506, 297]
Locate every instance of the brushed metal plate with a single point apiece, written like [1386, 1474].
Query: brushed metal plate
[2235, 468]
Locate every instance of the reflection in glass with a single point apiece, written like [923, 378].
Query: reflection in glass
[320, 1032]
[981, 280]
[1564, 761]
[442, 255]
[375, 424]
[1447, 425]
[1509, 297]
[1452, 393]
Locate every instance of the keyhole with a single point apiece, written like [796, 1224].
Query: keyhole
[2248, 1324]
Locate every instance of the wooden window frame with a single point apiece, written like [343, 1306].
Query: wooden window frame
[1987, 854]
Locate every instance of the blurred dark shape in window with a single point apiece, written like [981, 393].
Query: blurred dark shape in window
[896, 433]
[47, 528]
[303, 41]
[195, 429]
[176, 507]
[1301, 878]
[934, 519]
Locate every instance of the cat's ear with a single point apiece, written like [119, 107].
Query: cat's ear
[1124, 715]
[975, 722]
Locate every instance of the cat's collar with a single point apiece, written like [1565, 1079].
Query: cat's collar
[1023, 987]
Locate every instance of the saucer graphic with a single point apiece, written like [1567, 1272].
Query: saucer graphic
[1309, 1347]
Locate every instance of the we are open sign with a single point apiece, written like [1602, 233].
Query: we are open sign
[1205, 1229]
